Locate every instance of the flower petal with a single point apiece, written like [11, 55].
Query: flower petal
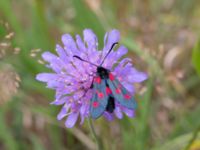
[63, 112]
[108, 116]
[114, 56]
[118, 112]
[52, 84]
[71, 119]
[136, 76]
[62, 54]
[80, 43]
[49, 57]
[119, 69]
[96, 59]
[46, 77]
[55, 62]
[58, 102]
[129, 87]
[84, 111]
[121, 51]
[78, 94]
[91, 39]
[112, 37]
[129, 112]
[70, 45]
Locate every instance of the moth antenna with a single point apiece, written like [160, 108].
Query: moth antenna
[108, 53]
[84, 60]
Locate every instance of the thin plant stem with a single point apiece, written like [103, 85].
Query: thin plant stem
[94, 134]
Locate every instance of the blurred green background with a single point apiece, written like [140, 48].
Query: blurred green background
[163, 39]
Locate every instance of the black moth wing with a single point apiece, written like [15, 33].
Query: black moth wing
[120, 93]
[99, 99]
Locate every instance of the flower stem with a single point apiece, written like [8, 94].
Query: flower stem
[94, 134]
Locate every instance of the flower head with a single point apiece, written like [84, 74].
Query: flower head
[72, 78]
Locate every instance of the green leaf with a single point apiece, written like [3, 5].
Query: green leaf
[196, 57]
[177, 143]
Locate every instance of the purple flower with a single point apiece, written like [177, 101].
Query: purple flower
[72, 77]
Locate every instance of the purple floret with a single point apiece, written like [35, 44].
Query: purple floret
[72, 78]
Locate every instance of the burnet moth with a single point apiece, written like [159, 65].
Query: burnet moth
[107, 91]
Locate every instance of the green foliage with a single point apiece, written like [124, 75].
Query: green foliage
[6, 135]
[177, 143]
[139, 126]
[196, 57]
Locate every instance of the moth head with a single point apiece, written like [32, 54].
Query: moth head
[102, 72]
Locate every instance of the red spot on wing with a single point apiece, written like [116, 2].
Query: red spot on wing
[100, 94]
[97, 80]
[111, 77]
[118, 91]
[127, 96]
[108, 91]
[95, 104]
